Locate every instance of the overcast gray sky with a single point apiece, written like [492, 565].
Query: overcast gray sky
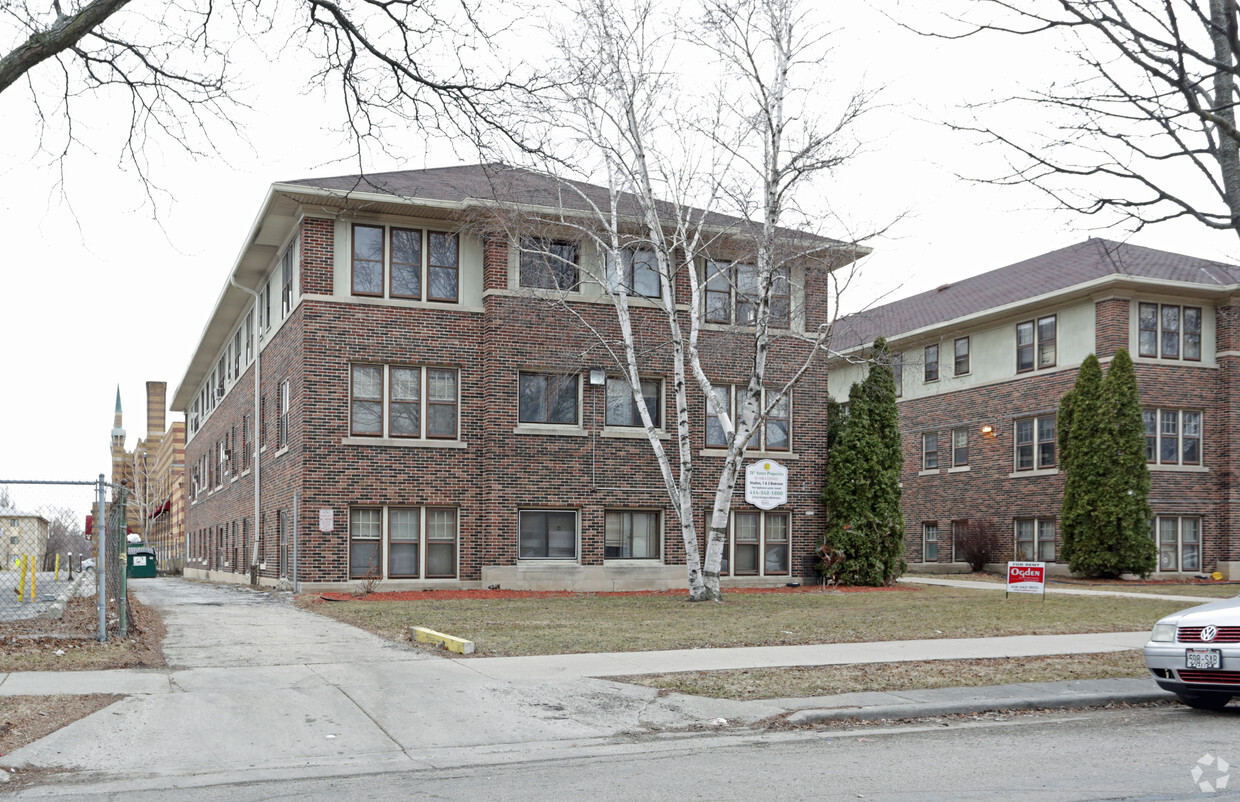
[104, 292]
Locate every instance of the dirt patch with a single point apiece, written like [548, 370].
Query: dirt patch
[21, 649]
[499, 593]
[25, 719]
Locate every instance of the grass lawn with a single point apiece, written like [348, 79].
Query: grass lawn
[804, 681]
[590, 623]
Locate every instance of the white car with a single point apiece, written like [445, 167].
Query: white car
[88, 565]
[1195, 654]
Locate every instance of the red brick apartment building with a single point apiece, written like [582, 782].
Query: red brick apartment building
[982, 365]
[426, 419]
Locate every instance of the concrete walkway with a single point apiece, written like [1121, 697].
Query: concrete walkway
[1056, 589]
[257, 688]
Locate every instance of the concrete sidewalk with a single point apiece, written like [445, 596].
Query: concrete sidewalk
[258, 688]
[1054, 589]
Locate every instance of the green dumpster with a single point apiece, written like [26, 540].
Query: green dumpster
[141, 561]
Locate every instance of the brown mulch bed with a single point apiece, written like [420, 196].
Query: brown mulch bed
[69, 645]
[499, 593]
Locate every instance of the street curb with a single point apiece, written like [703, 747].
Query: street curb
[930, 709]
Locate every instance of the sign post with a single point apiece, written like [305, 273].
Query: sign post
[1026, 578]
[766, 484]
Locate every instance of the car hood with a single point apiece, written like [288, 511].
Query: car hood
[1224, 612]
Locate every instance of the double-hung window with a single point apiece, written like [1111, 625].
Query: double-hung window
[1169, 331]
[403, 401]
[420, 542]
[548, 264]
[405, 263]
[623, 411]
[1035, 540]
[930, 542]
[960, 448]
[639, 273]
[283, 422]
[1035, 443]
[286, 282]
[774, 435]
[962, 356]
[931, 363]
[631, 535]
[757, 545]
[929, 451]
[1035, 344]
[1172, 436]
[732, 294]
[547, 535]
[1179, 542]
[897, 373]
[548, 398]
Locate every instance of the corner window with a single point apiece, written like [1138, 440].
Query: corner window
[1172, 437]
[1179, 542]
[420, 402]
[932, 363]
[929, 451]
[962, 356]
[757, 544]
[930, 542]
[368, 260]
[547, 535]
[548, 264]
[1035, 540]
[631, 535]
[1035, 443]
[443, 266]
[548, 398]
[622, 411]
[1169, 331]
[1035, 344]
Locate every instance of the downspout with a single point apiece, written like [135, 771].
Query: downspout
[254, 444]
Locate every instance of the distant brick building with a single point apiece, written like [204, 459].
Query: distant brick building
[983, 363]
[154, 474]
[427, 417]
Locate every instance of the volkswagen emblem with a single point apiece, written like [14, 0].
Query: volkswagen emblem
[1209, 633]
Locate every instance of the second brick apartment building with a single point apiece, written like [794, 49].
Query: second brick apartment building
[983, 363]
[427, 417]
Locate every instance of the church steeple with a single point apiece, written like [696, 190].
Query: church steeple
[118, 431]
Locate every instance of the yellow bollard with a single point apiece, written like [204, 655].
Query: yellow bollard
[21, 577]
[57, 567]
[33, 567]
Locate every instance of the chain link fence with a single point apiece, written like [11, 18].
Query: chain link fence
[50, 560]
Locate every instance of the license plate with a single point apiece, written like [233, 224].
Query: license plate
[1203, 658]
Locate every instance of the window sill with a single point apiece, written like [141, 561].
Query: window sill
[549, 429]
[1179, 468]
[959, 469]
[632, 433]
[402, 442]
[775, 455]
[246, 472]
[543, 562]
[1038, 472]
[929, 472]
[281, 452]
[631, 562]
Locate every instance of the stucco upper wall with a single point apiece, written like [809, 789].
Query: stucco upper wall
[992, 354]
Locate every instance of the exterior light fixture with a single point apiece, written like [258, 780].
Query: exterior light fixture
[598, 376]
[989, 430]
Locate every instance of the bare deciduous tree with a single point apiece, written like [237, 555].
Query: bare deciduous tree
[1147, 128]
[697, 177]
[394, 63]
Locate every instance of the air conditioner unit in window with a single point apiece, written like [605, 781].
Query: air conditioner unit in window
[219, 393]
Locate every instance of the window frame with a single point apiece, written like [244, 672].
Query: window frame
[545, 248]
[763, 545]
[737, 299]
[284, 418]
[897, 373]
[353, 260]
[287, 273]
[1179, 546]
[387, 267]
[546, 556]
[930, 364]
[546, 378]
[657, 530]
[1180, 437]
[760, 435]
[929, 528]
[1037, 344]
[1039, 544]
[961, 367]
[387, 402]
[957, 460]
[425, 542]
[390, 250]
[1036, 444]
[455, 267]
[656, 412]
[930, 451]
[1180, 335]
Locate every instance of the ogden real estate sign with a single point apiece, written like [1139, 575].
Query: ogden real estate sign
[1026, 578]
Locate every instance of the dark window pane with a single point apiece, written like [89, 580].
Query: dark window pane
[406, 263]
[367, 417]
[715, 435]
[363, 558]
[533, 398]
[443, 249]
[442, 284]
[405, 420]
[562, 395]
[645, 279]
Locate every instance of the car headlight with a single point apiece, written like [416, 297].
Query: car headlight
[1163, 633]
